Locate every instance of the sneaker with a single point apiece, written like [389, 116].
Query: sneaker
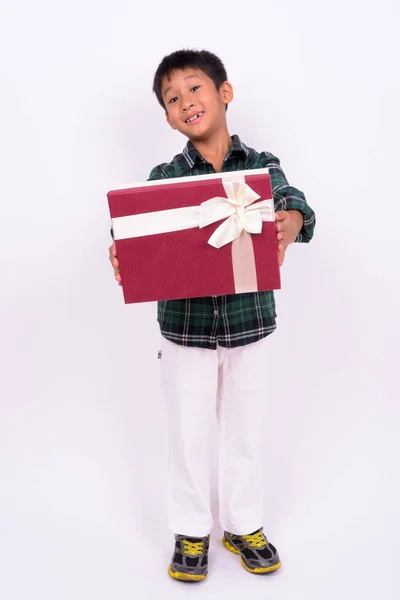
[190, 559]
[257, 554]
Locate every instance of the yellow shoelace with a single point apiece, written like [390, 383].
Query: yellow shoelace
[193, 548]
[256, 540]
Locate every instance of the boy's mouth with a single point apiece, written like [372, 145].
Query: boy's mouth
[195, 117]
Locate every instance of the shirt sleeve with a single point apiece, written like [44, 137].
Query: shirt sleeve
[158, 172]
[287, 197]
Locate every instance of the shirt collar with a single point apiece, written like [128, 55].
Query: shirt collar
[191, 155]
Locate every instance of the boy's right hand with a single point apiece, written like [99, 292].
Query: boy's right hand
[115, 264]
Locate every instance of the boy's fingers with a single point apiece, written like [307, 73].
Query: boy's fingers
[114, 263]
[281, 254]
[282, 245]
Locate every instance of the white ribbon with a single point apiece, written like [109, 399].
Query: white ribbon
[239, 210]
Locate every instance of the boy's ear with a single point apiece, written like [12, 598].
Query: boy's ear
[226, 92]
[169, 121]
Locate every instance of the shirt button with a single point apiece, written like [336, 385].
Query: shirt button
[216, 313]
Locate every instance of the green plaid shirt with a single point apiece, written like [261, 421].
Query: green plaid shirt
[237, 319]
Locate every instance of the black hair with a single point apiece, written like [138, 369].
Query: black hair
[209, 63]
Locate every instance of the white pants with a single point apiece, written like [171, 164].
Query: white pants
[197, 383]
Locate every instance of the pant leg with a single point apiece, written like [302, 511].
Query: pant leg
[241, 404]
[189, 380]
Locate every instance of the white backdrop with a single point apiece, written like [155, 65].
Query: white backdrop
[82, 430]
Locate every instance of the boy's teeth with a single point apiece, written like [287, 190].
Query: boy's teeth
[195, 117]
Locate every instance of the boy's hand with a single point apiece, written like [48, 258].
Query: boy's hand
[115, 264]
[288, 223]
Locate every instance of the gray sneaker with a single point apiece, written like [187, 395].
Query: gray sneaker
[257, 554]
[190, 559]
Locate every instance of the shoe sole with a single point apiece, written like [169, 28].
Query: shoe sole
[257, 571]
[185, 576]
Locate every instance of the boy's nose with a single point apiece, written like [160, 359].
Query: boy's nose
[186, 106]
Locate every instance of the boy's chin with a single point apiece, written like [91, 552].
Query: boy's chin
[196, 135]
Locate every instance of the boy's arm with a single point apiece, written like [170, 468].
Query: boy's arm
[288, 198]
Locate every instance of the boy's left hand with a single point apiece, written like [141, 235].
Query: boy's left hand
[288, 223]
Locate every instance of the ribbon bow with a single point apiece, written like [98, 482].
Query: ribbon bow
[238, 210]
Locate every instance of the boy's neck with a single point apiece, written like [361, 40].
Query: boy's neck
[215, 148]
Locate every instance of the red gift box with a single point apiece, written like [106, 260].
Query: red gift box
[188, 237]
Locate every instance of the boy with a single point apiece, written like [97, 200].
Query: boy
[214, 349]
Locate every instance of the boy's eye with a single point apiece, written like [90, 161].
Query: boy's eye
[173, 100]
[195, 88]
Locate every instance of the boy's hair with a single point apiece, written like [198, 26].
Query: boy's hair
[210, 64]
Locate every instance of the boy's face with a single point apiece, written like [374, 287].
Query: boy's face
[193, 104]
